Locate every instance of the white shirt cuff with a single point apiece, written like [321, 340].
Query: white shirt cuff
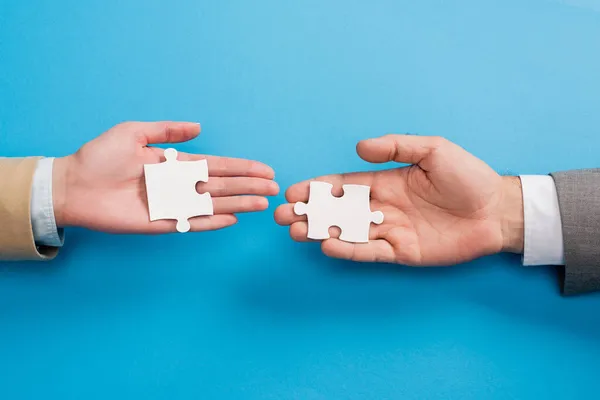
[543, 226]
[43, 223]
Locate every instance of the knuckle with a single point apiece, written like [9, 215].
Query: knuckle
[126, 125]
[438, 141]
[253, 188]
[392, 136]
[168, 133]
[224, 164]
[216, 165]
[219, 188]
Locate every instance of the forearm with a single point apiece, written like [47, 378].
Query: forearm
[512, 215]
[532, 220]
[60, 189]
[579, 198]
[16, 231]
[555, 220]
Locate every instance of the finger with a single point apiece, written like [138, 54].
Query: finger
[212, 222]
[226, 166]
[400, 148]
[222, 187]
[285, 215]
[197, 224]
[166, 131]
[374, 251]
[239, 204]
[299, 232]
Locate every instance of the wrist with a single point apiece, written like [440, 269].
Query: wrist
[60, 179]
[511, 212]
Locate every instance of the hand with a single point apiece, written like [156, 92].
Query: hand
[447, 207]
[101, 187]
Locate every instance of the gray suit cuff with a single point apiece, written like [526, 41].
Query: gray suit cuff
[579, 199]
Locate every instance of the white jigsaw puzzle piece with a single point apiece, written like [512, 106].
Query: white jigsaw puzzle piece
[171, 190]
[351, 213]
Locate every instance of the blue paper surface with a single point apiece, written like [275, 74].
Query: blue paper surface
[245, 313]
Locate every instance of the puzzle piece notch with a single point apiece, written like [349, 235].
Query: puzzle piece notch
[351, 212]
[171, 190]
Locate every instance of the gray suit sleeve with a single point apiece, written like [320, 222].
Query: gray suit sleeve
[579, 201]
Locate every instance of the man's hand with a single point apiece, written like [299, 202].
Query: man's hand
[447, 207]
[102, 186]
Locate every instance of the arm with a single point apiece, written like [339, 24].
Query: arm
[101, 187]
[16, 231]
[579, 200]
[445, 207]
[562, 226]
[448, 207]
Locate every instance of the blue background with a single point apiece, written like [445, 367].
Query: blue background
[245, 313]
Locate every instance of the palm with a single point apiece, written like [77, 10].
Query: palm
[439, 214]
[107, 187]
[426, 225]
[117, 193]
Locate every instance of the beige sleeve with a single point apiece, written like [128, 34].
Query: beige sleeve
[16, 234]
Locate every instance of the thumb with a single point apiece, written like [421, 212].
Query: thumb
[407, 149]
[167, 131]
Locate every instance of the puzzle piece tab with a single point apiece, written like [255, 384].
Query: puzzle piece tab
[351, 213]
[171, 190]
